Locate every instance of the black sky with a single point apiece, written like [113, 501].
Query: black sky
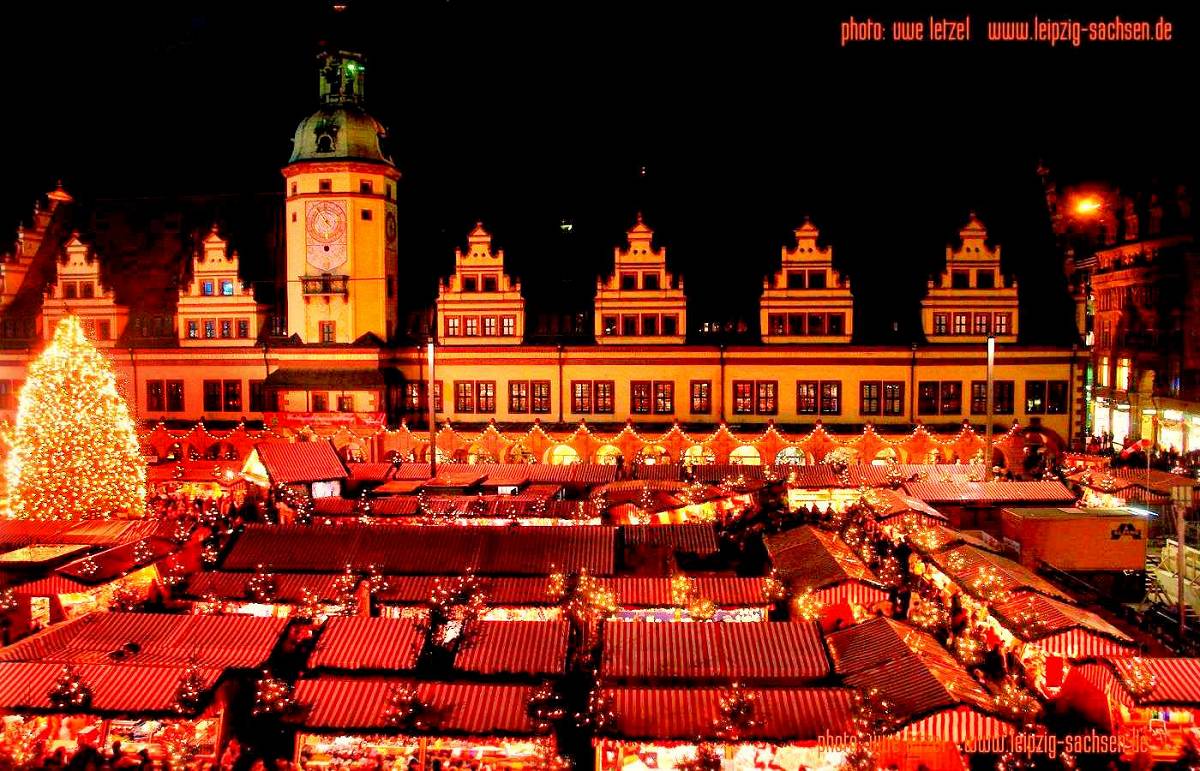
[746, 117]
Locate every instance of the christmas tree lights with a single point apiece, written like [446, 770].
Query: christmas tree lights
[75, 451]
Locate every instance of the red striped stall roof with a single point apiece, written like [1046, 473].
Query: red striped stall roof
[665, 471]
[787, 714]
[851, 593]
[1176, 681]
[878, 641]
[232, 641]
[418, 550]
[717, 472]
[1041, 491]
[725, 591]
[369, 472]
[699, 538]
[589, 474]
[300, 462]
[957, 726]
[289, 586]
[896, 504]
[15, 533]
[516, 647]
[115, 688]
[813, 477]
[811, 558]
[50, 586]
[921, 684]
[1055, 619]
[766, 652]
[1077, 644]
[364, 642]
[499, 590]
[963, 563]
[341, 704]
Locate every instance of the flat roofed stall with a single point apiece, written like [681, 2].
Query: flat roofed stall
[662, 727]
[348, 719]
[131, 666]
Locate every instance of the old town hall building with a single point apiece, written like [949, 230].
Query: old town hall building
[320, 347]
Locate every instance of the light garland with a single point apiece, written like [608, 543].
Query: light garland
[545, 707]
[69, 693]
[404, 708]
[705, 759]
[774, 590]
[8, 600]
[738, 713]
[1137, 677]
[189, 691]
[808, 605]
[261, 586]
[142, 553]
[75, 451]
[272, 697]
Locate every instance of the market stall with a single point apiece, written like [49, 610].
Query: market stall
[662, 728]
[506, 598]
[261, 593]
[975, 504]
[1152, 703]
[390, 722]
[1062, 631]
[828, 580]
[689, 598]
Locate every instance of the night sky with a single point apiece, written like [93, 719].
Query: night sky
[744, 118]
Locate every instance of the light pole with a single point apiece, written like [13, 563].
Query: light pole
[987, 430]
[432, 414]
[1181, 501]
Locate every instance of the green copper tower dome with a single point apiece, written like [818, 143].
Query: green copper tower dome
[341, 129]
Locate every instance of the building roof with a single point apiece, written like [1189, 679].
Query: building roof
[289, 587]
[161, 639]
[352, 133]
[786, 714]
[515, 647]
[921, 684]
[418, 550]
[115, 688]
[811, 558]
[699, 538]
[774, 652]
[1041, 491]
[965, 563]
[360, 704]
[651, 592]
[367, 643]
[877, 642]
[300, 462]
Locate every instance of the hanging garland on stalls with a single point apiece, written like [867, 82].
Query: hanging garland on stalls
[598, 714]
[273, 696]
[69, 692]
[738, 713]
[545, 706]
[404, 708]
[705, 759]
[189, 691]
[261, 587]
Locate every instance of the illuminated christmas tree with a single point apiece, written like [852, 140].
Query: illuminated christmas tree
[75, 452]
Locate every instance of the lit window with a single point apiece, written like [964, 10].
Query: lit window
[1123, 372]
[226, 329]
[210, 329]
[639, 397]
[508, 326]
[243, 328]
[453, 326]
[226, 288]
[328, 331]
[472, 326]
[207, 288]
[664, 397]
[743, 397]
[489, 326]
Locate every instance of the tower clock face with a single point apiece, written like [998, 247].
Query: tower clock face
[389, 227]
[325, 234]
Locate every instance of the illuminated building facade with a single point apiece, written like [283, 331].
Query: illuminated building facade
[325, 351]
[1135, 273]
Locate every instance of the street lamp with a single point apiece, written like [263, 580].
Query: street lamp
[1181, 501]
[987, 431]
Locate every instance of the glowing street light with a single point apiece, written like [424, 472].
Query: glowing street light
[1088, 205]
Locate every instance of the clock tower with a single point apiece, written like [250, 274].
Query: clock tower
[340, 215]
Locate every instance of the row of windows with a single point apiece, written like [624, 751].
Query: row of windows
[643, 324]
[218, 329]
[807, 279]
[474, 326]
[806, 323]
[209, 287]
[72, 290]
[985, 278]
[219, 396]
[964, 323]
[751, 397]
[650, 280]
[488, 282]
[365, 187]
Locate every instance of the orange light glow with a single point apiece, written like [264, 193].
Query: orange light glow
[1087, 205]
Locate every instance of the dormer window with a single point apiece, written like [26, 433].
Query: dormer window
[795, 279]
[490, 284]
[226, 288]
[628, 281]
[985, 279]
[816, 279]
[649, 281]
[326, 133]
[207, 288]
[69, 290]
[960, 279]
[470, 284]
[87, 289]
